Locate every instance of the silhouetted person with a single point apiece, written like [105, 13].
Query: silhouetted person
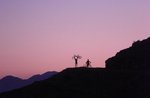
[76, 57]
[76, 61]
[88, 63]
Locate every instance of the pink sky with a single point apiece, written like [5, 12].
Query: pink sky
[42, 35]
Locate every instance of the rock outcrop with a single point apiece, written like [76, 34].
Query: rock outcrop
[135, 57]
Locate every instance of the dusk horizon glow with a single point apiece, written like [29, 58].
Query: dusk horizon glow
[37, 36]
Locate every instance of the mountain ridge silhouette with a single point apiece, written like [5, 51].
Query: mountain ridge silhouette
[125, 76]
[12, 82]
[135, 57]
[87, 83]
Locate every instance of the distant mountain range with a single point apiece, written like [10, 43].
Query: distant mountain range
[10, 82]
[127, 75]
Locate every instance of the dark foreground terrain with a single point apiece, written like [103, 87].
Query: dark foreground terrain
[88, 83]
[127, 75]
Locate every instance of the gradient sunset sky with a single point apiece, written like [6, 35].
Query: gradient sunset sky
[42, 35]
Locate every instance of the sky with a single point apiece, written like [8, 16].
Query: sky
[42, 35]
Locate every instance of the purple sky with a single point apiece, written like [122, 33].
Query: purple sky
[42, 35]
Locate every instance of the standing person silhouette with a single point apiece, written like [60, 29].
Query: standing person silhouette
[76, 57]
[76, 61]
[88, 63]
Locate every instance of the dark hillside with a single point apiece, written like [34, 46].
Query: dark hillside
[135, 57]
[88, 83]
[127, 75]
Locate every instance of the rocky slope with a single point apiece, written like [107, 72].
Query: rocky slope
[135, 57]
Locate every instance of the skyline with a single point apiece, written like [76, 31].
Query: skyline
[38, 36]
